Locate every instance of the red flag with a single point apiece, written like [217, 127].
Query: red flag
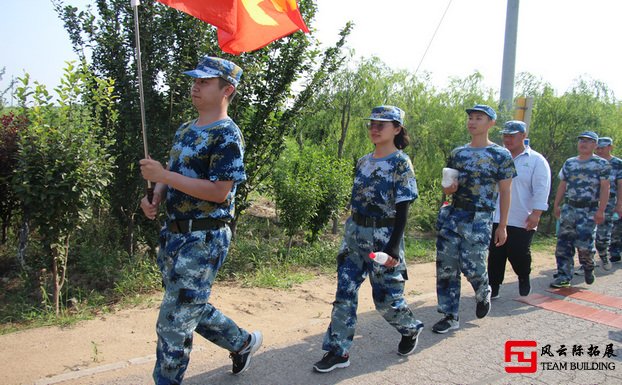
[260, 22]
[245, 25]
[219, 13]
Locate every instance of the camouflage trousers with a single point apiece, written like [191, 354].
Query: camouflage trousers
[462, 244]
[603, 231]
[353, 266]
[615, 248]
[189, 263]
[576, 230]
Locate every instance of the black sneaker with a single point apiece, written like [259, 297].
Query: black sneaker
[242, 359]
[330, 362]
[524, 286]
[408, 344]
[560, 283]
[446, 324]
[616, 258]
[483, 307]
[494, 291]
[589, 276]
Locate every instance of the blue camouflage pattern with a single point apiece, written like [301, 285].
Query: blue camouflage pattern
[604, 230]
[483, 108]
[577, 229]
[463, 236]
[189, 263]
[379, 185]
[461, 247]
[387, 114]
[213, 67]
[615, 247]
[583, 177]
[213, 152]
[480, 169]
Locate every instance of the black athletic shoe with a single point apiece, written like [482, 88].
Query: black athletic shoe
[483, 307]
[242, 359]
[524, 286]
[446, 324]
[330, 362]
[408, 344]
[616, 258]
[559, 283]
[589, 276]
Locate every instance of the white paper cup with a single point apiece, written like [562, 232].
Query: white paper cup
[450, 175]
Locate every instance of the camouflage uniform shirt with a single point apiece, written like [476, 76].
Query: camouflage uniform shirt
[480, 169]
[213, 152]
[583, 177]
[380, 184]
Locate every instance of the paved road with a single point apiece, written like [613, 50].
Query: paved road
[474, 354]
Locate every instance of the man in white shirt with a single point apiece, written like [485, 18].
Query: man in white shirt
[530, 192]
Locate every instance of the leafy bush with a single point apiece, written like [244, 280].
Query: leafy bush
[310, 187]
[10, 127]
[63, 164]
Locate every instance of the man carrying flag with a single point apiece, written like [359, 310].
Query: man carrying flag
[204, 170]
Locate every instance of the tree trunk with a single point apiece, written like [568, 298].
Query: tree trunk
[59, 271]
[56, 283]
[345, 123]
[24, 231]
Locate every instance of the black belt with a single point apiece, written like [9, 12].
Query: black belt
[466, 206]
[582, 204]
[366, 221]
[189, 225]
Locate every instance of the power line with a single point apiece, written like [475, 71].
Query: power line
[433, 36]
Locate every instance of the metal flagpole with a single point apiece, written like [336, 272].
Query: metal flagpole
[135, 4]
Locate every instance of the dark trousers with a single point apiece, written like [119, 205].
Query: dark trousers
[517, 249]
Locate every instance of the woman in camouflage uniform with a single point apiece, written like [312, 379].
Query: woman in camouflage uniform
[384, 186]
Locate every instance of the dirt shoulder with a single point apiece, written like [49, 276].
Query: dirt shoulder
[282, 315]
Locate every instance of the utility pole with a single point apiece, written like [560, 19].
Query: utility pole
[509, 57]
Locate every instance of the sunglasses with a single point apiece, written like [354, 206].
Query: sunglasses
[378, 126]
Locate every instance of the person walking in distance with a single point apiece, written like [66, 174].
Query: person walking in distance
[204, 169]
[530, 193]
[604, 230]
[384, 186]
[464, 228]
[584, 191]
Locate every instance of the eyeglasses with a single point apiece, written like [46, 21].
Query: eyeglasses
[378, 126]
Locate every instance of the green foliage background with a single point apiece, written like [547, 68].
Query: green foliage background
[301, 110]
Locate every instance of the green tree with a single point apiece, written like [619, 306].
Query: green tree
[63, 164]
[266, 108]
[10, 127]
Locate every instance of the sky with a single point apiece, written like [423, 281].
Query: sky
[558, 41]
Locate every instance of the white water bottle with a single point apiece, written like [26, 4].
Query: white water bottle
[379, 257]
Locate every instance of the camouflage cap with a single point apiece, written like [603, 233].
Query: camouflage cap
[214, 67]
[604, 141]
[387, 114]
[512, 127]
[588, 134]
[483, 108]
